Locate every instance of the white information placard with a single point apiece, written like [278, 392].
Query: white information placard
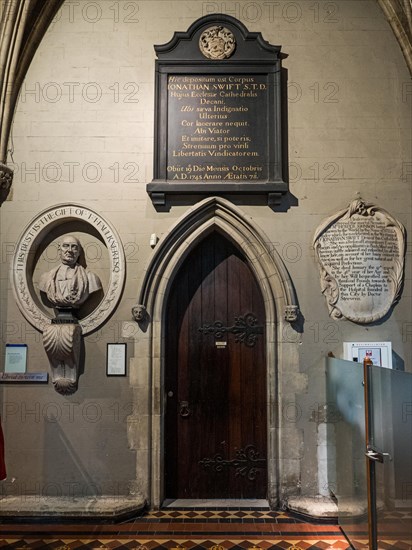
[380, 353]
[116, 359]
[16, 358]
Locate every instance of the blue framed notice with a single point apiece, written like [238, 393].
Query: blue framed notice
[16, 358]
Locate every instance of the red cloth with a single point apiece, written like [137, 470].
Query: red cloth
[3, 474]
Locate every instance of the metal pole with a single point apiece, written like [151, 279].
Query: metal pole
[370, 464]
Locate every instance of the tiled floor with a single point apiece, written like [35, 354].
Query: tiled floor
[181, 529]
[209, 528]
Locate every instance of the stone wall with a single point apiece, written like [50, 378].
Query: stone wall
[83, 133]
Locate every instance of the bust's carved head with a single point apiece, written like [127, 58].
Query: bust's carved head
[70, 250]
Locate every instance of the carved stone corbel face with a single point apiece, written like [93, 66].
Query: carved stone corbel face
[139, 313]
[291, 313]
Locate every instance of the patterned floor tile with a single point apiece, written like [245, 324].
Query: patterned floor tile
[184, 544]
[191, 529]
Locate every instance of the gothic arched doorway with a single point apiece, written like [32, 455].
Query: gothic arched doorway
[215, 377]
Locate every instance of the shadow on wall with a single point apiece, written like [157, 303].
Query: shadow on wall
[86, 457]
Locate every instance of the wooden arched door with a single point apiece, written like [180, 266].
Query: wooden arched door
[215, 380]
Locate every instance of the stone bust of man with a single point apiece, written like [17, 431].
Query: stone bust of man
[69, 284]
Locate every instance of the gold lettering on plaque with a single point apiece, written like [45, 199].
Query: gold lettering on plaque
[212, 132]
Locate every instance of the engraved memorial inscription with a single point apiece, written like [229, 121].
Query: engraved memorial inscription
[212, 131]
[361, 256]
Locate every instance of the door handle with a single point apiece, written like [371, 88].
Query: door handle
[184, 410]
[377, 456]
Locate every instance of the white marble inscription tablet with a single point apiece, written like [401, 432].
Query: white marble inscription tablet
[361, 252]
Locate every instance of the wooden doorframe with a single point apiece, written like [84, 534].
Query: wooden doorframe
[216, 213]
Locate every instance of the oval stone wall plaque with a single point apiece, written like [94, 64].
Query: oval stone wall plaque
[30, 240]
[361, 252]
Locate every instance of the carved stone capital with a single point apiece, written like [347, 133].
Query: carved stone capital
[139, 313]
[291, 313]
[6, 179]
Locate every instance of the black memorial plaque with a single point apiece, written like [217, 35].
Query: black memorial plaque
[214, 129]
[218, 113]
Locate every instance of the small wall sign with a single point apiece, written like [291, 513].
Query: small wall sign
[380, 353]
[16, 358]
[116, 359]
[27, 377]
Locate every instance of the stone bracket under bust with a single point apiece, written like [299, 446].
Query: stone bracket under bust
[66, 288]
[360, 251]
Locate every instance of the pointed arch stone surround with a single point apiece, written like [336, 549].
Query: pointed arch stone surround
[219, 214]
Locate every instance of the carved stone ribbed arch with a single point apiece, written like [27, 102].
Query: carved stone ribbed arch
[211, 214]
[208, 215]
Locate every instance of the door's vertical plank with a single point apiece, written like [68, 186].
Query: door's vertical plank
[212, 393]
[218, 379]
[235, 289]
[188, 376]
